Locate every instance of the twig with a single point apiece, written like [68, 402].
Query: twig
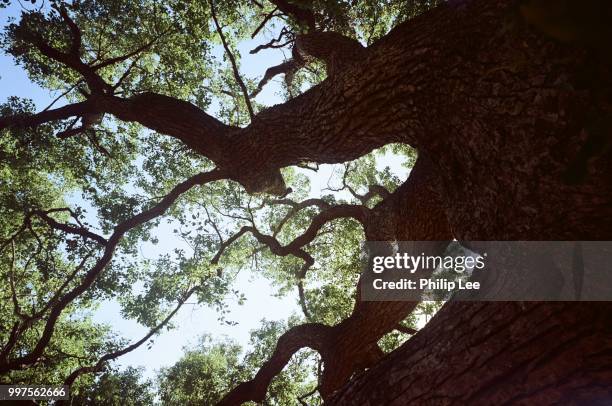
[243, 87]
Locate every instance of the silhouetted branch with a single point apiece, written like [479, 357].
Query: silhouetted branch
[98, 366]
[230, 55]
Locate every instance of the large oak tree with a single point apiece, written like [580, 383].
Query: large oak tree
[507, 105]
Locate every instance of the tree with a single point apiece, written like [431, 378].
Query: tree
[115, 388]
[209, 370]
[507, 107]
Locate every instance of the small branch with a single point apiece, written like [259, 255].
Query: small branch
[224, 245]
[135, 52]
[288, 68]
[93, 137]
[116, 354]
[263, 23]
[67, 228]
[243, 87]
[16, 307]
[59, 291]
[302, 297]
[307, 395]
[295, 208]
[63, 94]
[126, 73]
[272, 43]
[212, 223]
[373, 190]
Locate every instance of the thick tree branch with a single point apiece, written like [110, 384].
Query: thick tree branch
[336, 50]
[310, 335]
[75, 47]
[72, 59]
[33, 120]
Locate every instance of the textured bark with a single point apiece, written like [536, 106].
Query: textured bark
[497, 354]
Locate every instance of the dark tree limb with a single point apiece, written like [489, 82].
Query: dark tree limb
[71, 59]
[273, 43]
[295, 208]
[288, 68]
[310, 335]
[336, 50]
[67, 228]
[76, 43]
[404, 329]
[373, 190]
[263, 22]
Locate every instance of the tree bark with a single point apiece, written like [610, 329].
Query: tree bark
[497, 354]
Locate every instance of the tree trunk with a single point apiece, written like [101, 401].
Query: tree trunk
[497, 354]
[508, 126]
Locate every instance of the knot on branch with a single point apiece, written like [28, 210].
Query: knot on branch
[265, 181]
[336, 50]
